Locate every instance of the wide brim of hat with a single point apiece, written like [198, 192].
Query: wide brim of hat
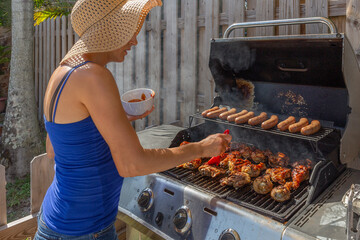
[113, 31]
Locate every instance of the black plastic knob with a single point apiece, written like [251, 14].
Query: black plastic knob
[227, 236]
[145, 200]
[180, 219]
[159, 218]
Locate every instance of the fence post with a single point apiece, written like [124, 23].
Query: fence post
[41, 175]
[353, 25]
[3, 217]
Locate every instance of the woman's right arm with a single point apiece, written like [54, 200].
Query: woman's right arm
[99, 93]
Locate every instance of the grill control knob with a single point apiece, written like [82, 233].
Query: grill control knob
[159, 219]
[229, 234]
[145, 199]
[182, 220]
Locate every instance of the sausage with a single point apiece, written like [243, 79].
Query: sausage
[224, 115]
[204, 113]
[216, 113]
[244, 118]
[284, 125]
[232, 117]
[296, 127]
[258, 119]
[312, 128]
[270, 123]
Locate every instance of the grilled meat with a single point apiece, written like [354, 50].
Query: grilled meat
[258, 156]
[279, 174]
[210, 171]
[237, 164]
[245, 152]
[232, 156]
[307, 162]
[263, 184]
[299, 174]
[237, 180]
[280, 193]
[279, 160]
[193, 164]
[253, 170]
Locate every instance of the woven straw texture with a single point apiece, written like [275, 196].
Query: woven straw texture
[106, 25]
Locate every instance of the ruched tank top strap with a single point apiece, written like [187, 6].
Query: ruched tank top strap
[83, 197]
[60, 88]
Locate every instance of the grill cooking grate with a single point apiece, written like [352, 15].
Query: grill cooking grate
[244, 196]
[314, 138]
[264, 204]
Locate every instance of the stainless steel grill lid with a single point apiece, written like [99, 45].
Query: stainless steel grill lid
[311, 76]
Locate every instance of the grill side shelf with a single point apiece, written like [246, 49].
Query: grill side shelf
[314, 138]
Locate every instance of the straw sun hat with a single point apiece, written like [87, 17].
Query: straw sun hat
[106, 25]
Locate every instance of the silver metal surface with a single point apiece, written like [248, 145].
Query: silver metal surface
[350, 141]
[210, 215]
[352, 232]
[188, 220]
[150, 192]
[324, 219]
[232, 232]
[282, 22]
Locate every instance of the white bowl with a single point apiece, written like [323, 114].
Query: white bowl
[138, 108]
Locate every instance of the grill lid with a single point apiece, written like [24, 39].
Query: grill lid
[293, 75]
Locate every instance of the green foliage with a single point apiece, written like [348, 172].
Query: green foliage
[44, 9]
[5, 13]
[5, 53]
[18, 191]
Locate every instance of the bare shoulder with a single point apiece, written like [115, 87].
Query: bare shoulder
[93, 72]
[95, 81]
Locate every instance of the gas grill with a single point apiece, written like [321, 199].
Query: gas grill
[312, 76]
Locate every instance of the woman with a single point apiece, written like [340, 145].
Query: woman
[90, 135]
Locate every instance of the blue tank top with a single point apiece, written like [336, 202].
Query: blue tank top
[83, 197]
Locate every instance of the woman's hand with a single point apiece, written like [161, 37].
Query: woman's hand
[133, 118]
[215, 144]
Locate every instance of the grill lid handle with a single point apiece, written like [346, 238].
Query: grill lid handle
[281, 22]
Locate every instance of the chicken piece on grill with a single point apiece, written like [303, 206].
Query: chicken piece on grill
[279, 160]
[210, 171]
[235, 166]
[306, 162]
[280, 193]
[192, 165]
[268, 153]
[263, 184]
[231, 157]
[253, 170]
[245, 152]
[258, 156]
[279, 174]
[299, 174]
[237, 180]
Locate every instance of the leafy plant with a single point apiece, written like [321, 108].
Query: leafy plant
[5, 13]
[4, 56]
[44, 9]
[18, 191]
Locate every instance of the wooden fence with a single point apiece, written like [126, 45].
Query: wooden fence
[174, 45]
